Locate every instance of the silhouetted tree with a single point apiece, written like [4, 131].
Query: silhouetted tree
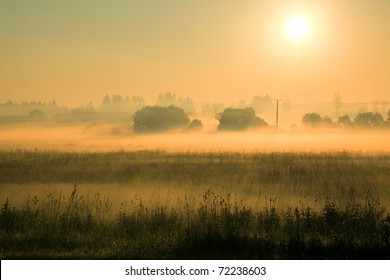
[166, 99]
[137, 102]
[369, 119]
[261, 104]
[195, 125]
[117, 99]
[212, 108]
[239, 119]
[157, 119]
[312, 119]
[187, 104]
[118, 103]
[345, 121]
[37, 116]
[106, 100]
[86, 107]
[137, 99]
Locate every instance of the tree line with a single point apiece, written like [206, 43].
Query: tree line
[152, 119]
[172, 112]
[361, 120]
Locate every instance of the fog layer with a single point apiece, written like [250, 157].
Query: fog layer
[110, 137]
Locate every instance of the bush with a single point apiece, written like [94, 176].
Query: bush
[157, 119]
[312, 119]
[195, 124]
[239, 119]
[345, 121]
[369, 120]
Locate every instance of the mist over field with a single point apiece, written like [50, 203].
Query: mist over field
[108, 137]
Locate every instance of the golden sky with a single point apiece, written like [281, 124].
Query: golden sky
[77, 51]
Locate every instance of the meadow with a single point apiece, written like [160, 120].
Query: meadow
[154, 204]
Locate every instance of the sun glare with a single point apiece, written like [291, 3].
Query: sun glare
[298, 28]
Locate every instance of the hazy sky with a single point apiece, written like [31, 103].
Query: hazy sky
[77, 51]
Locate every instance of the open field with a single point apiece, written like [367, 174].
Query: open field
[154, 204]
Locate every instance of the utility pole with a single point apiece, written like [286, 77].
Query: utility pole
[277, 113]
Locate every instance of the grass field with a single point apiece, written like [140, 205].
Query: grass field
[183, 205]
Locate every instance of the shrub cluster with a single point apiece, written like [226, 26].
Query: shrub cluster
[239, 119]
[157, 119]
[362, 120]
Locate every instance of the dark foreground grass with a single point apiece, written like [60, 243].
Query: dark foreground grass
[217, 229]
[330, 205]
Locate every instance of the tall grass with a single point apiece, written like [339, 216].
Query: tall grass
[217, 228]
[195, 205]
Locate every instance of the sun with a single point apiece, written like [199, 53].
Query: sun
[298, 28]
